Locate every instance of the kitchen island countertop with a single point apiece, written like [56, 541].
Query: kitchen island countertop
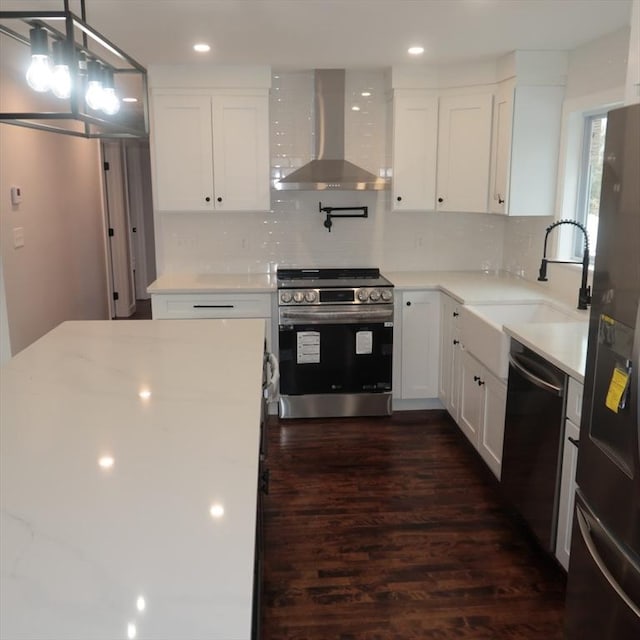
[128, 481]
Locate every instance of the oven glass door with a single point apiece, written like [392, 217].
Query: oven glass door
[335, 358]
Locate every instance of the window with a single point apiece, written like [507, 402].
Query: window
[588, 205]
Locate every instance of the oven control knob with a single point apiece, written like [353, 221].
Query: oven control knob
[285, 297]
[310, 296]
[363, 295]
[374, 296]
[386, 295]
[298, 296]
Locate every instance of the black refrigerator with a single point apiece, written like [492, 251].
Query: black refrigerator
[603, 589]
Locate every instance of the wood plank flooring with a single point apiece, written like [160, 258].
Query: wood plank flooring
[393, 529]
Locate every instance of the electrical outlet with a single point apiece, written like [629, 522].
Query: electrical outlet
[18, 237]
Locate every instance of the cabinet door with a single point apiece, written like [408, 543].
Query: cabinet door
[471, 398]
[446, 348]
[241, 153]
[464, 153]
[181, 139]
[450, 349]
[492, 434]
[415, 139]
[501, 148]
[453, 405]
[420, 344]
[567, 493]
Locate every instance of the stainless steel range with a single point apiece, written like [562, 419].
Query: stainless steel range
[335, 342]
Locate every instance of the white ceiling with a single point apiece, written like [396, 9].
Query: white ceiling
[300, 34]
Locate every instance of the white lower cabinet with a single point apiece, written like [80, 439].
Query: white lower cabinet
[419, 349]
[568, 477]
[450, 354]
[567, 493]
[190, 306]
[483, 400]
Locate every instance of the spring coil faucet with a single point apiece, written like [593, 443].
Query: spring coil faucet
[584, 294]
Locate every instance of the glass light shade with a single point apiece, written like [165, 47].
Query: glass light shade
[94, 94]
[110, 101]
[61, 81]
[39, 73]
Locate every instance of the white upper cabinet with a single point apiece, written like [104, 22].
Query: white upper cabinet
[415, 140]
[464, 152]
[211, 152]
[526, 140]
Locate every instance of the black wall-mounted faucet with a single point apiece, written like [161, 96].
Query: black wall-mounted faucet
[584, 294]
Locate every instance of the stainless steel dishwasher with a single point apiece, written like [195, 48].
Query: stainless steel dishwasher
[533, 441]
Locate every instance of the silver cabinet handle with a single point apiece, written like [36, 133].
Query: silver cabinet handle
[585, 530]
[534, 379]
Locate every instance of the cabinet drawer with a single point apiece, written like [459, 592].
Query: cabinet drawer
[229, 305]
[574, 401]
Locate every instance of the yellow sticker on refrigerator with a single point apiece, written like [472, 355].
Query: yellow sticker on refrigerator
[617, 389]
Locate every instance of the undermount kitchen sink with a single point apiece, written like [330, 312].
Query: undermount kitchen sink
[483, 336]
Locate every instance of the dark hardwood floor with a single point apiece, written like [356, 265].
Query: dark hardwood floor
[392, 528]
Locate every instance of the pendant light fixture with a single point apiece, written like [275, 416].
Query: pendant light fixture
[74, 86]
[61, 76]
[94, 94]
[39, 71]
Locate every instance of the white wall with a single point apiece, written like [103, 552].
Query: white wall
[596, 79]
[59, 274]
[292, 233]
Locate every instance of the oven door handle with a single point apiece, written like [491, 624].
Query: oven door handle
[325, 316]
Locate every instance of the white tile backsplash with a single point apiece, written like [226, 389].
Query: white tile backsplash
[292, 233]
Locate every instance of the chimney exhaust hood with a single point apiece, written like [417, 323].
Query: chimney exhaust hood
[329, 169]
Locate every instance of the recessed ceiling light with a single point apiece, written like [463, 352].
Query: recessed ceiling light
[201, 47]
[365, 94]
[355, 107]
[129, 99]
[415, 51]
[106, 462]
[216, 511]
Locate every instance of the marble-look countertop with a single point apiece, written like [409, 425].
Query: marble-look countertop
[561, 343]
[128, 481]
[551, 340]
[214, 283]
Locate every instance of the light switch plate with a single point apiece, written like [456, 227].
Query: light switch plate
[18, 237]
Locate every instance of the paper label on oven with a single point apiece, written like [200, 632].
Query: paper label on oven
[308, 347]
[364, 342]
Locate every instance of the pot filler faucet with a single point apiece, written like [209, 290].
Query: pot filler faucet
[584, 294]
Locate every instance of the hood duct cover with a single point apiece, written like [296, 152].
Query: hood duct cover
[330, 170]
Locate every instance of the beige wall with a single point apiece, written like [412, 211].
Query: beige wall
[60, 273]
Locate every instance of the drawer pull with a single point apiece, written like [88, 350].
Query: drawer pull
[573, 441]
[213, 306]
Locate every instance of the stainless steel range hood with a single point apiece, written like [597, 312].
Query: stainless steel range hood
[329, 169]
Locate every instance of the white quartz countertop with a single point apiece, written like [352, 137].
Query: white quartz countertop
[214, 283]
[131, 550]
[467, 287]
[561, 343]
[471, 286]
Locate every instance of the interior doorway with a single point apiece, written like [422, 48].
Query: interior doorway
[129, 224]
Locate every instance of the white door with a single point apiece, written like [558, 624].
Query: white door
[492, 434]
[471, 398]
[464, 152]
[420, 344]
[117, 213]
[183, 153]
[415, 140]
[241, 153]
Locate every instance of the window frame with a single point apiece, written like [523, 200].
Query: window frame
[581, 213]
